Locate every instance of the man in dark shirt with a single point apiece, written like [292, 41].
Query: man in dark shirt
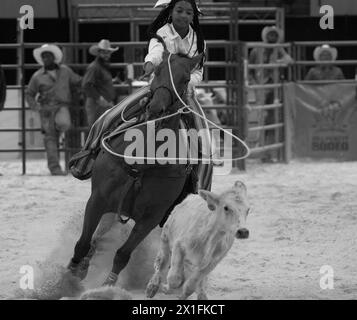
[49, 93]
[98, 83]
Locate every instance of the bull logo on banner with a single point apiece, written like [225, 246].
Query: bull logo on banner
[327, 117]
[324, 119]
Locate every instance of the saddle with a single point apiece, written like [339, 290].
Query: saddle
[81, 164]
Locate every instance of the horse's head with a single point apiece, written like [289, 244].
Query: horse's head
[163, 93]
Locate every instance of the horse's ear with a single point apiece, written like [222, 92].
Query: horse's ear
[196, 60]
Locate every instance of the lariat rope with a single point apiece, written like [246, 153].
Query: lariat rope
[179, 111]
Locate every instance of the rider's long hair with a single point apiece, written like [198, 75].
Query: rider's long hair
[164, 18]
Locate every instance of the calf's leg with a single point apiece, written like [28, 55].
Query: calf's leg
[161, 263]
[175, 275]
[190, 285]
[201, 289]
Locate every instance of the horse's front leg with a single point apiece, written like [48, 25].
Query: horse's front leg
[95, 208]
[143, 226]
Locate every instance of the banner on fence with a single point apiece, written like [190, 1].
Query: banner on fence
[323, 120]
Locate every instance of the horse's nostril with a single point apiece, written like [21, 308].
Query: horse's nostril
[243, 233]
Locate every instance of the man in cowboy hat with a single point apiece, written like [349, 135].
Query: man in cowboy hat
[49, 92]
[98, 83]
[259, 55]
[325, 53]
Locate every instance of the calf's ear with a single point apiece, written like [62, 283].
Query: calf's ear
[211, 198]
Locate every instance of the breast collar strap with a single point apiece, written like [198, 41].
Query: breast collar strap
[172, 96]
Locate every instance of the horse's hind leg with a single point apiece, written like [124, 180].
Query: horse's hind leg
[105, 224]
[141, 229]
[94, 210]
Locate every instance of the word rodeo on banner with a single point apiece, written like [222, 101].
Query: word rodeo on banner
[324, 120]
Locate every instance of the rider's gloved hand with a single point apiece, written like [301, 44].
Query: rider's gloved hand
[148, 70]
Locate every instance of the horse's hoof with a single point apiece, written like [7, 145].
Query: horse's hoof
[151, 290]
[91, 251]
[82, 269]
[108, 283]
[175, 281]
[166, 289]
[72, 267]
[111, 280]
[202, 296]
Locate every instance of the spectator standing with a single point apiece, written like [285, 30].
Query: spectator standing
[98, 83]
[49, 93]
[259, 55]
[325, 71]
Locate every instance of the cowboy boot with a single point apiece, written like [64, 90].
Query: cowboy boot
[53, 157]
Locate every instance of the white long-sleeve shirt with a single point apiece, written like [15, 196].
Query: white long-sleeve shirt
[175, 44]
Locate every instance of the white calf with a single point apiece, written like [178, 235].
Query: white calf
[198, 238]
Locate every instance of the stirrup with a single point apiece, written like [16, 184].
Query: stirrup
[123, 219]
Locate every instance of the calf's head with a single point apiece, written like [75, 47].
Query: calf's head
[231, 208]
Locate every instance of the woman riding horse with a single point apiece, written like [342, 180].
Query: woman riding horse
[177, 30]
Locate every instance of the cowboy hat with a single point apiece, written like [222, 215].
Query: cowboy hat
[165, 3]
[56, 51]
[269, 29]
[103, 44]
[325, 47]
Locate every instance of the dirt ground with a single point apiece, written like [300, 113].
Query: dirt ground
[304, 217]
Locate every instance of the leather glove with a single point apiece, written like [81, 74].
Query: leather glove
[148, 70]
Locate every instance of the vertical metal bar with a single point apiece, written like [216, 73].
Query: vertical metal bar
[287, 128]
[71, 25]
[75, 11]
[276, 76]
[298, 57]
[236, 80]
[23, 106]
[242, 101]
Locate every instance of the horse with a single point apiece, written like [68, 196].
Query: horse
[146, 192]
